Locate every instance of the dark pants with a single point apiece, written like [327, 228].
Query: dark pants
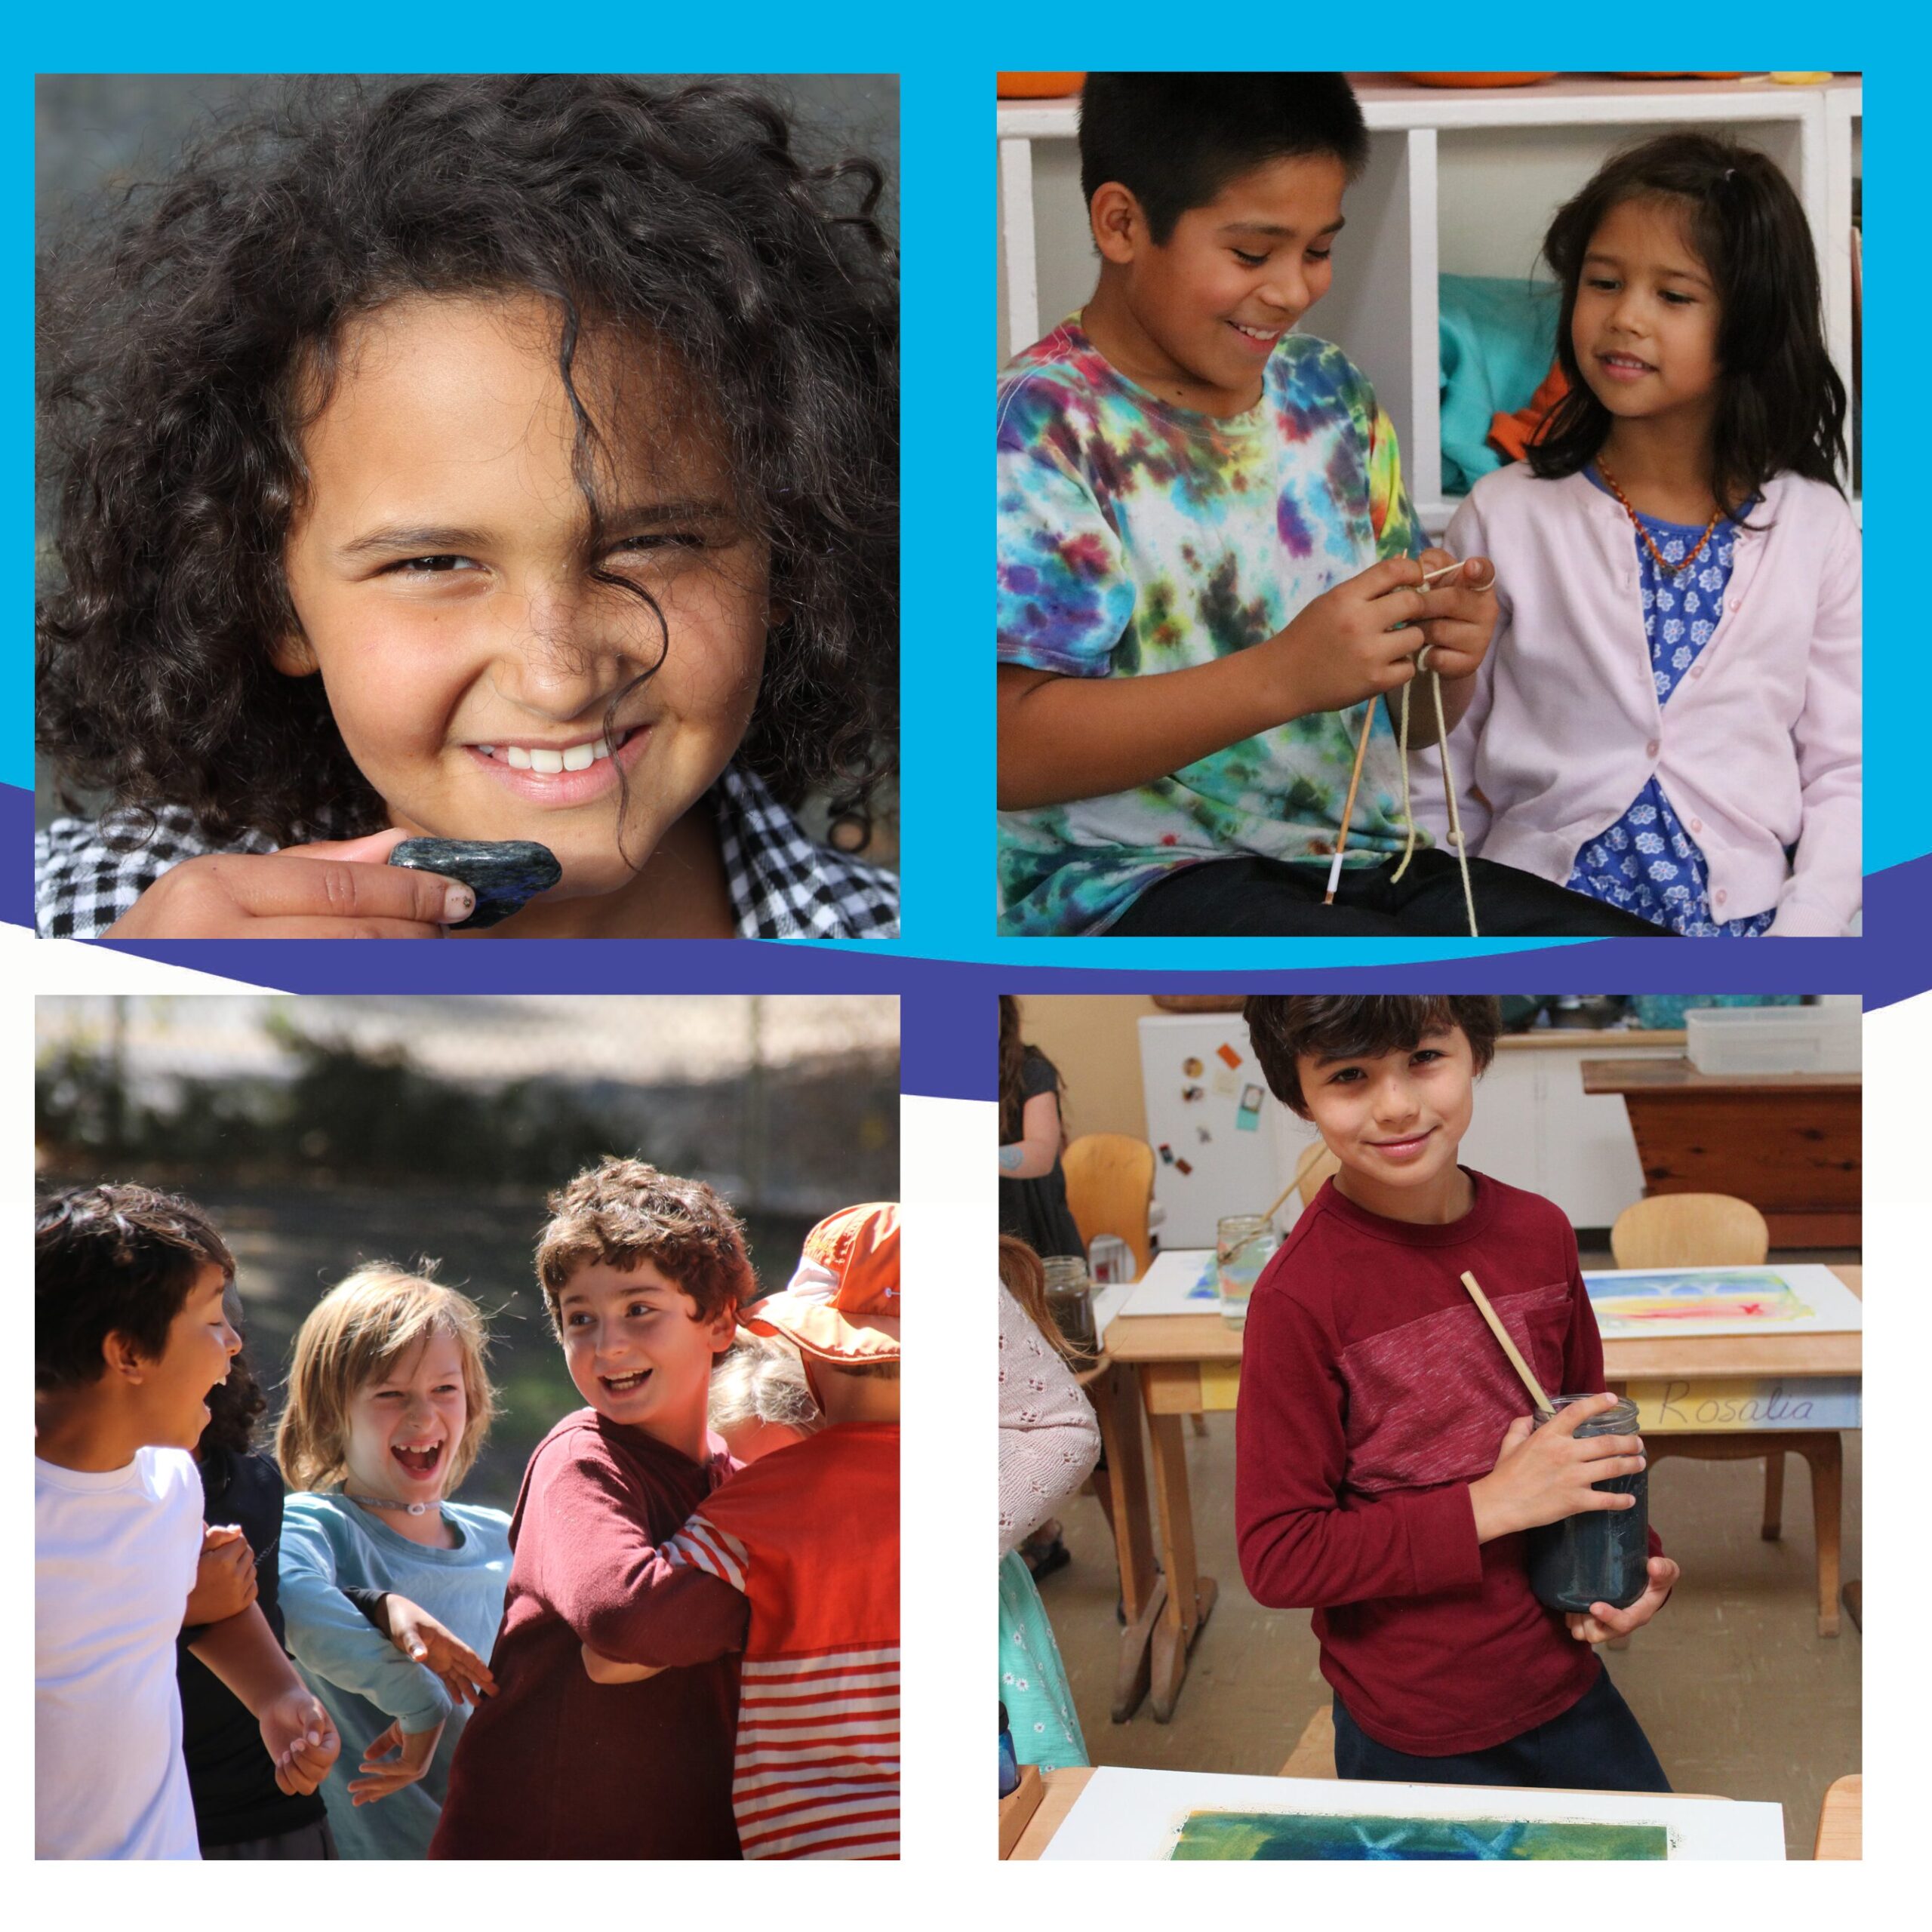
[1251, 897]
[1596, 1745]
[314, 1840]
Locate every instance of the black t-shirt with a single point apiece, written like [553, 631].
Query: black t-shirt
[230, 1773]
[1036, 1210]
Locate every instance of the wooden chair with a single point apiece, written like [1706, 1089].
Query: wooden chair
[1313, 1168]
[1690, 1231]
[1109, 1187]
[1718, 1231]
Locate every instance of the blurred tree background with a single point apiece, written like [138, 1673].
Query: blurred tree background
[325, 1131]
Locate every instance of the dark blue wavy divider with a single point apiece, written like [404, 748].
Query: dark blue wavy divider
[948, 1047]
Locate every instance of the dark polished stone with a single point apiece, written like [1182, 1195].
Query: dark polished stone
[505, 874]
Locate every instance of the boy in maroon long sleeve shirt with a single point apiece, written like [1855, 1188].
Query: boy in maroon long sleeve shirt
[1370, 1483]
[644, 1273]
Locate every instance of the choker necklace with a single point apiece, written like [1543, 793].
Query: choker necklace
[1670, 569]
[389, 1502]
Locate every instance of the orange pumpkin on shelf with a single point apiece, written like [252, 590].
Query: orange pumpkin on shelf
[1477, 80]
[1038, 87]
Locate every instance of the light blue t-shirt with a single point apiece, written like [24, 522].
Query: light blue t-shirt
[365, 1681]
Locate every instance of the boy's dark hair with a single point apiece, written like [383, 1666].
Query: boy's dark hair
[112, 1260]
[1174, 141]
[1352, 1026]
[1781, 403]
[181, 360]
[624, 1212]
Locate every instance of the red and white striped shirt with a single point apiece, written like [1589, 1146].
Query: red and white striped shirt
[810, 1535]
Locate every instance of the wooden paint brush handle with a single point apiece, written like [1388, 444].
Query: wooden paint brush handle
[1501, 1335]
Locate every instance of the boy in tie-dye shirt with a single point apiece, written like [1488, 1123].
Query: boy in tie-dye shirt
[1189, 490]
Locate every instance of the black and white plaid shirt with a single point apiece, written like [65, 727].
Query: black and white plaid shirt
[782, 885]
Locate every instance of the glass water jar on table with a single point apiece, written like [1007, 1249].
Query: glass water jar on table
[1244, 1245]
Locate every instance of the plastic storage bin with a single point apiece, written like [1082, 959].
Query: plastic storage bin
[1801, 1039]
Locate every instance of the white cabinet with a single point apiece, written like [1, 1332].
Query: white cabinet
[1461, 182]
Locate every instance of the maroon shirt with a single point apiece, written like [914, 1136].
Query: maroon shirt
[555, 1766]
[1372, 1396]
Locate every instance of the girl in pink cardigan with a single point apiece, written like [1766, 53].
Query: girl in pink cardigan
[1668, 720]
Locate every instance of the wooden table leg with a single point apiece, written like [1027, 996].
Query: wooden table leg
[1190, 1597]
[1773, 1496]
[1116, 1399]
[1825, 1456]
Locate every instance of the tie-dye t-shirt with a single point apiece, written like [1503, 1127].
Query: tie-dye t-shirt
[1135, 537]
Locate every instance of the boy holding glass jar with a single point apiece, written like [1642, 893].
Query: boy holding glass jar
[1385, 1471]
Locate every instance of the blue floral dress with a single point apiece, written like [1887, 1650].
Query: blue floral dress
[1646, 861]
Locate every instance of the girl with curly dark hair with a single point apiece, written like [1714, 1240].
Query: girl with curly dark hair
[482, 459]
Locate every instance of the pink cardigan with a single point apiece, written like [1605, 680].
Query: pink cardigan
[1759, 747]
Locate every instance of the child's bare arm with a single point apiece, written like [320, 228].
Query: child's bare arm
[601, 1669]
[342, 890]
[297, 1731]
[1542, 1476]
[1064, 738]
[424, 1640]
[224, 1578]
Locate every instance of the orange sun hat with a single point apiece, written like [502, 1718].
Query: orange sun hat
[842, 1304]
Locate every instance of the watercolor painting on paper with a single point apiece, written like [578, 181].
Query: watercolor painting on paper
[1794, 1298]
[1256, 1835]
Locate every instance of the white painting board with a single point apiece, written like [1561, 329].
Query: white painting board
[1829, 1308]
[1109, 1302]
[1168, 1286]
[1133, 1814]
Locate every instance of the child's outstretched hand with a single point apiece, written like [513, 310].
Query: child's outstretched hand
[1462, 614]
[1544, 1474]
[608, 1670]
[438, 1650]
[225, 1577]
[1604, 1621]
[342, 889]
[396, 1758]
[301, 1738]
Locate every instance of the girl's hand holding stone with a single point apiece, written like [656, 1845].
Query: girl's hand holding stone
[339, 890]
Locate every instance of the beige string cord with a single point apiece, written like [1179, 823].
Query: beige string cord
[1408, 808]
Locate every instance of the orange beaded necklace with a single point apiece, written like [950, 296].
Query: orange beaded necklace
[1649, 544]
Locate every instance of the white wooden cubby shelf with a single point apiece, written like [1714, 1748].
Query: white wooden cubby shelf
[1459, 181]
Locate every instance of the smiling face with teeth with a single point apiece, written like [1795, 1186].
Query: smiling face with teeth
[448, 592]
[638, 1351]
[1644, 328]
[405, 1424]
[1195, 317]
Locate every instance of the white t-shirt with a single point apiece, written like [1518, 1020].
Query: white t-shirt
[115, 1556]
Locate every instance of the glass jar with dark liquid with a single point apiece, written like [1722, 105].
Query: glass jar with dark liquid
[1601, 1555]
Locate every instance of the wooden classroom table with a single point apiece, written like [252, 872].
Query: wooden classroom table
[1789, 1143]
[1188, 1363]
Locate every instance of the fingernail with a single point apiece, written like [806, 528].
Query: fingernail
[419, 1653]
[458, 901]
